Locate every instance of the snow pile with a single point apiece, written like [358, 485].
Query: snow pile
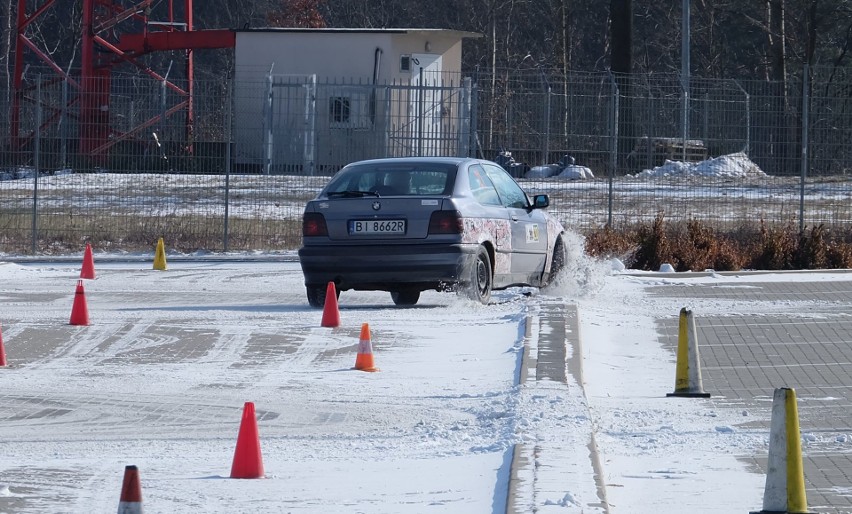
[735, 165]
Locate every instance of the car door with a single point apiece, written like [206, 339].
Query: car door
[529, 227]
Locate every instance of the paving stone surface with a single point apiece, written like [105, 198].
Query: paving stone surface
[744, 357]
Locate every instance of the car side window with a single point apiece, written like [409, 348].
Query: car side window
[511, 194]
[481, 186]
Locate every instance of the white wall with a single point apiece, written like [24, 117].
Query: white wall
[333, 56]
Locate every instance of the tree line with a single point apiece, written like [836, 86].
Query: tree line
[741, 39]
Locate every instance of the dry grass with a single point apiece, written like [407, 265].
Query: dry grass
[688, 246]
[697, 246]
[61, 233]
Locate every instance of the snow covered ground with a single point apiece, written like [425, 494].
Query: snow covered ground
[160, 377]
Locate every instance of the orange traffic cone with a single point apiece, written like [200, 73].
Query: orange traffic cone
[364, 359]
[330, 311]
[248, 462]
[88, 270]
[131, 492]
[2, 349]
[79, 311]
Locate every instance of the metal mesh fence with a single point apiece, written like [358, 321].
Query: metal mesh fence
[226, 165]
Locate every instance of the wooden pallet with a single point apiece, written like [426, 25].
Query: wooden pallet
[655, 151]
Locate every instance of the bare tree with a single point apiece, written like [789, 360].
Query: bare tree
[6, 43]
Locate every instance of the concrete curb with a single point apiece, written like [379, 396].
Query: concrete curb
[551, 362]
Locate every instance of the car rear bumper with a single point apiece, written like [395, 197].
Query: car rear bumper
[386, 267]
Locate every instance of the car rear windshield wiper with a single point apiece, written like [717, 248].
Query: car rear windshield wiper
[351, 194]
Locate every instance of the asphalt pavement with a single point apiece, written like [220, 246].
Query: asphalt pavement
[744, 357]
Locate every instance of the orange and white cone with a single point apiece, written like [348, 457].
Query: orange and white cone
[364, 359]
[88, 269]
[79, 311]
[785, 477]
[131, 492]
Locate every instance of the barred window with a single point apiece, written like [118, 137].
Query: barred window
[340, 109]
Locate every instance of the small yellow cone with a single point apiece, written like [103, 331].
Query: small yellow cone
[160, 256]
[785, 477]
[688, 382]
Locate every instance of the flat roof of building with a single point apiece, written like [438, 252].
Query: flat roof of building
[457, 33]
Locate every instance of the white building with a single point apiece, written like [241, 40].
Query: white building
[310, 100]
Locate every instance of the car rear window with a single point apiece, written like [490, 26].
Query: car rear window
[408, 179]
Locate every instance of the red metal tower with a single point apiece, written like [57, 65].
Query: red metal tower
[112, 35]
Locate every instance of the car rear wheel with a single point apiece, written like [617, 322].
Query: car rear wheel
[405, 297]
[479, 287]
[317, 293]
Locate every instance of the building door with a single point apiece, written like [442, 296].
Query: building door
[289, 125]
[425, 105]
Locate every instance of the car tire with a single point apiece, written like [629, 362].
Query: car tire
[316, 295]
[557, 262]
[405, 297]
[481, 278]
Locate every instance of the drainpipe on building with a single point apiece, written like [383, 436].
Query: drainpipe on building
[377, 56]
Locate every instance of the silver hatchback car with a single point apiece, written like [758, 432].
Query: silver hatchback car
[407, 225]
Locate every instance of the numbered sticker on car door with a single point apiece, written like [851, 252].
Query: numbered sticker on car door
[532, 233]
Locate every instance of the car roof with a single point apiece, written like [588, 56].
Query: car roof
[391, 160]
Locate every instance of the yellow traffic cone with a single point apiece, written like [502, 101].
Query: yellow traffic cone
[688, 382]
[785, 477]
[160, 256]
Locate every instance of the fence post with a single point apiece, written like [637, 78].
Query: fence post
[36, 163]
[685, 116]
[389, 117]
[420, 92]
[547, 126]
[163, 111]
[474, 121]
[267, 121]
[229, 108]
[309, 166]
[805, 115]
[748, 117]
[63, 131]
[685, 70]
[464, 118]
[613, 146]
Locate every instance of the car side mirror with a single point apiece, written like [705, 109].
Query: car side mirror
[540, 201]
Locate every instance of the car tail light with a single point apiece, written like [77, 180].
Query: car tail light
[313, 224]
[445, 222]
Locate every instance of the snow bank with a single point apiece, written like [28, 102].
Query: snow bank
[735, 165]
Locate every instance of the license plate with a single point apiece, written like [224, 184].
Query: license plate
[377, 226]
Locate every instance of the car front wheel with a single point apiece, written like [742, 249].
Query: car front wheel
[557, 263]
[479, 287]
